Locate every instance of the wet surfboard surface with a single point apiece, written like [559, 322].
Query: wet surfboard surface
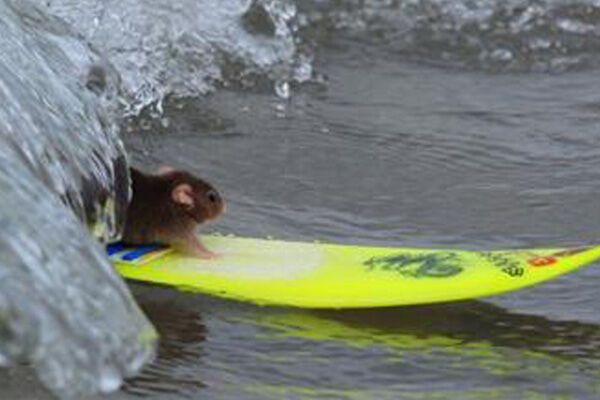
[318, 275]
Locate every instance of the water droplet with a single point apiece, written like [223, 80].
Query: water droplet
[3, 360]
[501, 55]
[282, 89]
[280, 110]
[303, 71]
[110, 380]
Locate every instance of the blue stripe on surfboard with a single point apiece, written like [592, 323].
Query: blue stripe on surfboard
[141, 251]
[114, 248]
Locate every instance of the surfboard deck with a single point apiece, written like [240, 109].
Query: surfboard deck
[317, 275]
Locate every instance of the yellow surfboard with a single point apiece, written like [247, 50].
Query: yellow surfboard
[316, 275]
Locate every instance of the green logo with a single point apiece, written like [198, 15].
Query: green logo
[418, 265]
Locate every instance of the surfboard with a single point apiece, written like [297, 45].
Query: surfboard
[319, 275]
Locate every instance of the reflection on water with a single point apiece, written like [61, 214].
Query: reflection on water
[212, 347]
[182, 334]
[478, 322]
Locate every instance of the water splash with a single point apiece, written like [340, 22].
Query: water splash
[62, 307]
[186, 48]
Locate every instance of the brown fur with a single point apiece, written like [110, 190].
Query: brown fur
[168, 207]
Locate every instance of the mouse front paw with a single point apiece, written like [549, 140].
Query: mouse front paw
[207, 255]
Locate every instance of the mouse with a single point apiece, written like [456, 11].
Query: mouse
[167, 207]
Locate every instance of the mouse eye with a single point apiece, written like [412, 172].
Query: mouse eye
[213, 196]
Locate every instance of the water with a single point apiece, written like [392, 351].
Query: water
[181, 47]
[469, 124]
[391, 153]
[59, 159]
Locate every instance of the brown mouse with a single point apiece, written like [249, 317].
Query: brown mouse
[168, 207]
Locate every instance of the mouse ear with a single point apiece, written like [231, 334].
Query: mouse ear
[183, 194]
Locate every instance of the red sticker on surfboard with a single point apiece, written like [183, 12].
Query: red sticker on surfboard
[545, 261]
[542, 261]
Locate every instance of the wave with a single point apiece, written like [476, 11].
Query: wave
[496, 36]
[69, 73]
[187, 48]
[63, 174]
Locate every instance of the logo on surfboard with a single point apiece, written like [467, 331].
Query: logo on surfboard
[542, 261]
[546, 261]
[506, 262]
[418, 265]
